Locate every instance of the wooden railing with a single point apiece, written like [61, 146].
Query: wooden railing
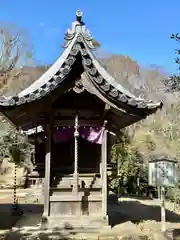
[85, 181]
[41, 166]
[88, 180]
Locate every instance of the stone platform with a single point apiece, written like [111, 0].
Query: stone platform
[75, 222]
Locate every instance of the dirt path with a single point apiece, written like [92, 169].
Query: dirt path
[129, 217]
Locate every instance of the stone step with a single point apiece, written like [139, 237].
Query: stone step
[71, 198]
[68, 192]
[65, 188]
[81, 222]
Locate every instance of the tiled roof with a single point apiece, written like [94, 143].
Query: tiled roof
[78, 40]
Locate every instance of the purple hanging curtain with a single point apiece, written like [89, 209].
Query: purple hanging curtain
[91, 134]
[63, 134]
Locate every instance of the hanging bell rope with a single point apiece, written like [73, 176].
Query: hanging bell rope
[15, 202]
[15, 205]
[15, 184]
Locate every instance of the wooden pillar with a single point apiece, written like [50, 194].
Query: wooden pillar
[104, 173]
[163, 210]
[76, 175]
[47, 170]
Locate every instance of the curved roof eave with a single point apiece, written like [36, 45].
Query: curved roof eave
[117, 86]
[44, 84]
[49, 74]
[79, 39]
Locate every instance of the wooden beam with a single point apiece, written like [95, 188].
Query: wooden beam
[104, 172]
[59, 123]
[72, 112]
[47, 169]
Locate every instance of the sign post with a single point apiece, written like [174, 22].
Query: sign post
[163, 173]
[163, 210]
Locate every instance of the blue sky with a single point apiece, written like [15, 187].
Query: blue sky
[140, 29]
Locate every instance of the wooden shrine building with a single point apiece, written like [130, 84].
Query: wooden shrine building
[75, 104]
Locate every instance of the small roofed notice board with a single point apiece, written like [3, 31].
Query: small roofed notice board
[163, 173]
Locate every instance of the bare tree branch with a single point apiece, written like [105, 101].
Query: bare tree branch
[15, 52]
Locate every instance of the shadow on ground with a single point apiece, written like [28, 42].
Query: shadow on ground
[136, 212]
[33, 236]
[118, 212]
[8, 220]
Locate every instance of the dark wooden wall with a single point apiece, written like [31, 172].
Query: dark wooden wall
[62, 157]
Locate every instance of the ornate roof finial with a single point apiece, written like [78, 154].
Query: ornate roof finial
[79, 29]
[79, 16]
